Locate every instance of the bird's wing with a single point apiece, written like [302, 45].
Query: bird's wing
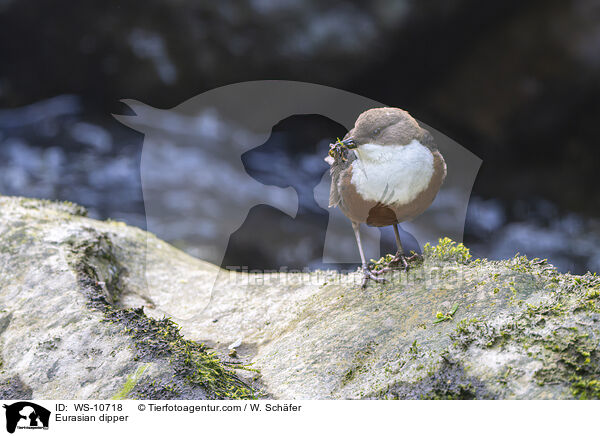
[337, 167]
[334, 193]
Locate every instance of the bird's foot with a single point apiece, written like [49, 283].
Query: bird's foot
[404, 260]
[414, 258]
[370, 275]
[398, 262]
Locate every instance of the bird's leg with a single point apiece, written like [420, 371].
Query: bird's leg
[398, 258]
[400, 251]
[367, 273]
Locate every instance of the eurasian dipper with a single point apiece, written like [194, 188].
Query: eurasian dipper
[385, 171]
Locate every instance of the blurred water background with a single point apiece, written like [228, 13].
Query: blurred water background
[515, 82]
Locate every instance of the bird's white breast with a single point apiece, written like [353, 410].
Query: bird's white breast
[392, 174]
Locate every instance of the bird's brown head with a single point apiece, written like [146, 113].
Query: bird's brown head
[383, 126]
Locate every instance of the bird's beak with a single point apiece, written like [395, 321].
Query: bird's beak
[349, 143]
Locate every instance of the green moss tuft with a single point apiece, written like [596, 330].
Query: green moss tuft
[585, 389]
[192, 361]
[447, 249]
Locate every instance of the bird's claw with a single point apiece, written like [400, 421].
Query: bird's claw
[400, 261]
[414, 257]
[370, 275]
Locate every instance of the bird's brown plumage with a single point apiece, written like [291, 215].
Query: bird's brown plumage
[384, 126]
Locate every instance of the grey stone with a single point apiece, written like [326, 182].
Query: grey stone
[453, 327]
[62, 331]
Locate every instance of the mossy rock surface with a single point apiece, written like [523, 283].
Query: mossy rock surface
[63, 330]
[452, 327]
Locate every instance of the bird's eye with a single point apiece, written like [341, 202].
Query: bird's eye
[377, 131]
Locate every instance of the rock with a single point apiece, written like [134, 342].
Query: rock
[510, 329]
[63, 334]
[235, 344]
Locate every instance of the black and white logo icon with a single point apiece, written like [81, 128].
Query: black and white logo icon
[26, 415]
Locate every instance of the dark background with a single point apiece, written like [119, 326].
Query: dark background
[515, 82]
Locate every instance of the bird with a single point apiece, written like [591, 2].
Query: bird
[386, 170]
